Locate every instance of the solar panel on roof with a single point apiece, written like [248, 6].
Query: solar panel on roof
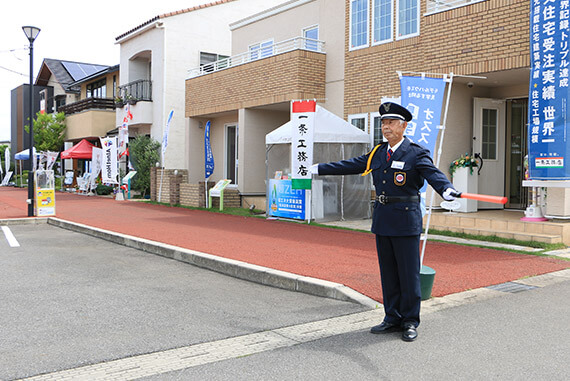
[79, 70]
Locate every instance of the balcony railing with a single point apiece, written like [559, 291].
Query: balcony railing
[88, 104]
[435, 6]
[263, 52]
[140, 90]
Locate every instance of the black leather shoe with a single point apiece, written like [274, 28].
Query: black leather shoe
[384, 327]
[410, 333]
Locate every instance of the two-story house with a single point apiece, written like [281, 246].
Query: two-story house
[290, 52]
[154, 59]
[488, 39]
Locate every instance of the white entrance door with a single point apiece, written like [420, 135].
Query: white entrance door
[489, 142]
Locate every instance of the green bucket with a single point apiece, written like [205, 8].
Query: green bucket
[427, 275]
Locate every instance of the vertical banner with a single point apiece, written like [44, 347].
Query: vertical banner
[96, 163]
[7, 159]
[124, 132]
[423, 97]
[166, 132]
[303, 121]
[51, 157]
[208, 155]
[109, 161]
[548, 143]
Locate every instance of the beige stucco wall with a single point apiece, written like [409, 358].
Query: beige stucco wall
[89, 123]
[258, 123]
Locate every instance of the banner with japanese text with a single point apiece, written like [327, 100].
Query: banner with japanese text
[208, 155]
[303, 120]
[548, 111]
[96, 162]
[423, 97]
[109, 168]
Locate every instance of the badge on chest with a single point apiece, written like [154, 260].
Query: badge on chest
[399, 178]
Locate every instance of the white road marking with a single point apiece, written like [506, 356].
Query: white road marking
[12, 241]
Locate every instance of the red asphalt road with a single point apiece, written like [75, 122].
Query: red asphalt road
[340, 256]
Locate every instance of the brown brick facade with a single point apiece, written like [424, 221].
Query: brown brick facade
[298, 74]
[177, 191]
[485, 37]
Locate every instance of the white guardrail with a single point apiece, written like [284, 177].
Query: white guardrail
[260, 53]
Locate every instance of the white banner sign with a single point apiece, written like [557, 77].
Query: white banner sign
[109, 168]
[302, 119]
[7, 159]
[96, 162]
[51, 158]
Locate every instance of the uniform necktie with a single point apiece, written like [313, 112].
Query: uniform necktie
[389, 154]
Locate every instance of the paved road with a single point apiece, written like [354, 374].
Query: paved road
[69, 300]
[76, 307]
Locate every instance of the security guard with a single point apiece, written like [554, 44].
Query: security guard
[398, 169]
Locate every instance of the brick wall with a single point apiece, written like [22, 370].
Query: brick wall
[193, 195]
[298, 74]
[170, 184]
[488, 36]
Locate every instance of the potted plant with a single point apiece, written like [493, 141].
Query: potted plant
[464, 161]
[131, 100]
[119, 101]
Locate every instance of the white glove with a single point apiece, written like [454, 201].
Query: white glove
[449, 193]
[314, 169]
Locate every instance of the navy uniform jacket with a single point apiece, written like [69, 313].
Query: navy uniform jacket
[403, 176]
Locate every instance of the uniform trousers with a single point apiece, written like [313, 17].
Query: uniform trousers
[399, 261]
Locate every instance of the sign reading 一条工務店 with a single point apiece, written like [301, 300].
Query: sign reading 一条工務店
[548, 111]
[302, 119]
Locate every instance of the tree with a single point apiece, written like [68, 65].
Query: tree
[49, 131]
[145, 153]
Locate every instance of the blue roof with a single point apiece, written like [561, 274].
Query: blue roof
[79, 71]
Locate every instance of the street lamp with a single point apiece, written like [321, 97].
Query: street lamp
[31, 33]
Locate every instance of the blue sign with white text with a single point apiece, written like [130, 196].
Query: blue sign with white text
[284, 201]
[423, 97]
[548, 112]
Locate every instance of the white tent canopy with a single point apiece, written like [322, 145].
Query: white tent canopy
[329, 128]
[333, 197]
[24, 155]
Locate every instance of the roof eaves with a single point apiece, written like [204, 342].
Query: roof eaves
[169, 14]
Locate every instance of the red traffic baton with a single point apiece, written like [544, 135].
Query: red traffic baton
[482, 197]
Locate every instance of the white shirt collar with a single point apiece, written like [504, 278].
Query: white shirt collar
[396, 145]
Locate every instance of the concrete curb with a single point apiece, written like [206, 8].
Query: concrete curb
[23, 221]
[238, 269]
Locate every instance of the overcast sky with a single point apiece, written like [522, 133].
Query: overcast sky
[70, 30]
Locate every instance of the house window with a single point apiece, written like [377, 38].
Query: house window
[382, 21]
[376, 128]
[207, 61]
[490, 138]
[261, 50]
[311, 33]
[408, 13]
[358, 24]
[97, 89]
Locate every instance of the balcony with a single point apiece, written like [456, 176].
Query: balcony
[267, 51]
[292, 69]
[436, 6]
[88, 104]
[139, 95]
[140, 90]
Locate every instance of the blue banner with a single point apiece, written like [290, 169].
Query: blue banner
[548, 112]
[284, 201]
[208, 155]
[423, 97]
